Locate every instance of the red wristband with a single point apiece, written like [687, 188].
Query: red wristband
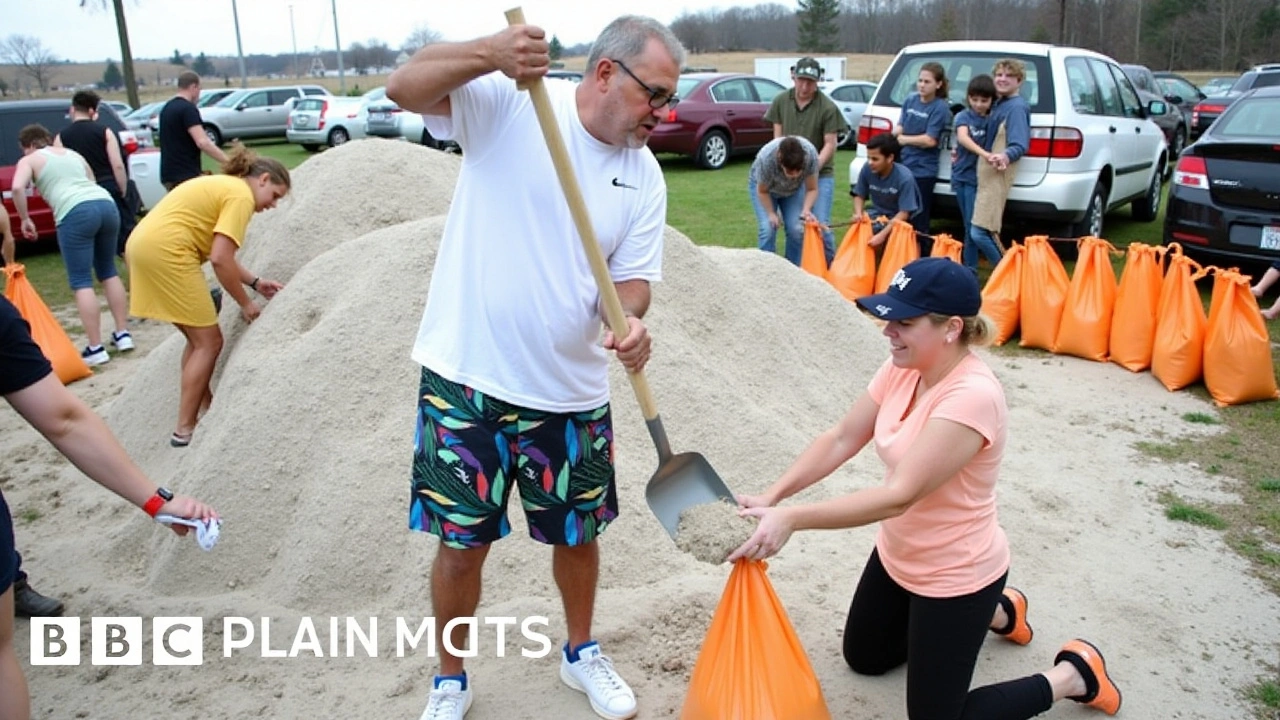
[153, 505]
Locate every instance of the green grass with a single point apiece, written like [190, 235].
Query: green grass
[1200, 418]
[1176, 509]
[1265, 693]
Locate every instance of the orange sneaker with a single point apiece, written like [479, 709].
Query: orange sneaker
[1101, 693]
[1015, 607]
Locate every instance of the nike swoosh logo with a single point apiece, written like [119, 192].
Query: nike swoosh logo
[619, 183]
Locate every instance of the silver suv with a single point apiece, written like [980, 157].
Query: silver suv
[1093, 144]
[255, 112]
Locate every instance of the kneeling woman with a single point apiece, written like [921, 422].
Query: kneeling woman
[935, 582]
[202, 219]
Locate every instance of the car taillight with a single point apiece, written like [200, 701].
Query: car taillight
[1210, 108]
[1191, 172]
[671, 116]
[1056, 142]
[870, 126]
[129, 142]
[324, 108]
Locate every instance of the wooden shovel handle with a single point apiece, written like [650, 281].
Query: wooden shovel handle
[614, 314]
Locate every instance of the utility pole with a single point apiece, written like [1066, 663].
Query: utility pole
[342, 78]
[235, 15]
[296, 72]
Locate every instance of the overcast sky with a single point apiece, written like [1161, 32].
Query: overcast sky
[157, 27]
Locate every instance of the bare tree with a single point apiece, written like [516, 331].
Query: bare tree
[32, 58]
[421, 37]
[126, 54]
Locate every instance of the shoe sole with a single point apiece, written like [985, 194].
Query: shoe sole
[94, 362]
[569, 680]
[465, 708]
[179, 441]
[1106, 686]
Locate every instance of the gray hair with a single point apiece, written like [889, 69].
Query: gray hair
[625, 39]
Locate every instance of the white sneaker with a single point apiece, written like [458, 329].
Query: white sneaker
[94, 356]
[594, 675]
[122, 340]
[449, 700]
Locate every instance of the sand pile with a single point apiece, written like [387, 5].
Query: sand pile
[306, 453]
[711, 531]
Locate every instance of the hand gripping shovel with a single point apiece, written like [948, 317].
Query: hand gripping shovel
[683, 480]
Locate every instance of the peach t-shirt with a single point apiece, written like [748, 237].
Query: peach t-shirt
[950, 542]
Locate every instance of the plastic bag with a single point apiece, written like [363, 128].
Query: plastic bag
[752, 666]
[1177, 360]
[1044, 294]
[948, 247]
[900, 249]
[1237, 347]
[1085, 328]
[853, 269]
[1001, 298]
[45, 329]
[1133, 322]
[813, 256]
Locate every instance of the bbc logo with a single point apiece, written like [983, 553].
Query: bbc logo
[118, 641]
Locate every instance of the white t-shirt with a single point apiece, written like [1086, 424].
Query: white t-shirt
[513, 309]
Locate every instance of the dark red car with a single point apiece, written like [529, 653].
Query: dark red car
[719, 115]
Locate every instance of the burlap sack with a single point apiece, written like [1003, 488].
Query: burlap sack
[993, 188]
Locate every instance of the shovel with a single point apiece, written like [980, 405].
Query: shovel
[681, 481]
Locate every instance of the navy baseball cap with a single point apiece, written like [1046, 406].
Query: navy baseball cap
[924, 286]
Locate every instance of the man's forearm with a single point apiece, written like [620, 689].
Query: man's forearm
[424, 83]
[634, 296]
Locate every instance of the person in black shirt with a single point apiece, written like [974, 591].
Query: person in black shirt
[28, 383]
[100, 147]
[182, 136]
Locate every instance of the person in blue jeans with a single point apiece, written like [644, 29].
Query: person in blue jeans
[1013, 112]
[889, 186]
[781, 169]
[926, 114]
[970, 133]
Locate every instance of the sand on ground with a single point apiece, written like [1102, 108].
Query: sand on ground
[306, 452]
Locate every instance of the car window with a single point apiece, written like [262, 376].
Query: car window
[309, 105]
[1251, 117]
[233, 99]
[848, 93]
[867, 91]
[1084, 89]
[1179, 88]
[735, 90]
[1244, 82]
[766, 90]
[280, 97]
[312, 90]
[686, 85]
[1108, 92]
[53, 119]
[960, 66]
[1128, 96]
[1267, 79]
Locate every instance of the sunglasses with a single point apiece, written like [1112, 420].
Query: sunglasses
[657, 98]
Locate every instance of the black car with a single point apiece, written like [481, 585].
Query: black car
[1208, 110]
[1224, 201]
[1181, 93]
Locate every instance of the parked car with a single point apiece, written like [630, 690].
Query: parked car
[255, 112]
[55, 116]
[121, 108]
[719, 115]
[388, 120]
[1093, 144]
[144, 169]
[851, 96]
[212, 97]
[1172, 123]
[330, 121]
[1208, 110]
[1182, 93]
[1224, 202]
[1218, 86]
[145, 122]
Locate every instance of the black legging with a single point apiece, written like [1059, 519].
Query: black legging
[939, 640]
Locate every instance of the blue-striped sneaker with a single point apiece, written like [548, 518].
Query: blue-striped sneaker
[94, 355]
[450, 698]
[122, 340]
[591, 672]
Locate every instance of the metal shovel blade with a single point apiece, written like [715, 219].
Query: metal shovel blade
[680, 482]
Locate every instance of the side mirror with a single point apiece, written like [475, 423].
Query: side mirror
[1174, 99]
[1156, 108]
[241, 107]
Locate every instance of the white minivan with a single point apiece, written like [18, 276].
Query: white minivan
[1093, 145]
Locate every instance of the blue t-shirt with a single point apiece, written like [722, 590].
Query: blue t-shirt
[892, 194]
[965, 168]
[1016, 116]
[921, 118]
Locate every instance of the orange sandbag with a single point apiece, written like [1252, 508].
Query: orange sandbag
[1001, 297]
[813, 257]
[1237, 348]
[1044, 294]
[853, 269]
[751, 664]
[948, 247]
[45, 329]
[1085, 328]
[1177, 360]
[1133, 323]
[900, 249]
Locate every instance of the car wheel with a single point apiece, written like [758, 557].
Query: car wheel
[1091, 224]
[311, 147]
[713, 151]
[1175, 149]
[843, 138]
[215, 136]
[1147, 207]
[338, 136]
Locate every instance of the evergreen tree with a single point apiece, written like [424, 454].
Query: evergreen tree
[819, 27]
[177, 59]
[202, 65]
[111, 77]
[556, 48]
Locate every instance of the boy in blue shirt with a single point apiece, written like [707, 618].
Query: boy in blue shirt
[888, 184]
[971, 132]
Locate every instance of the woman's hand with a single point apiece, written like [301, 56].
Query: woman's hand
[762, 500]
[269, 288]
[774, 221]
[186, 507]
[29, 229]
[250, 311]
[771, 534]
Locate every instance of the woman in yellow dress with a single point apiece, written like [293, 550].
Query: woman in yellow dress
[203, 219]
